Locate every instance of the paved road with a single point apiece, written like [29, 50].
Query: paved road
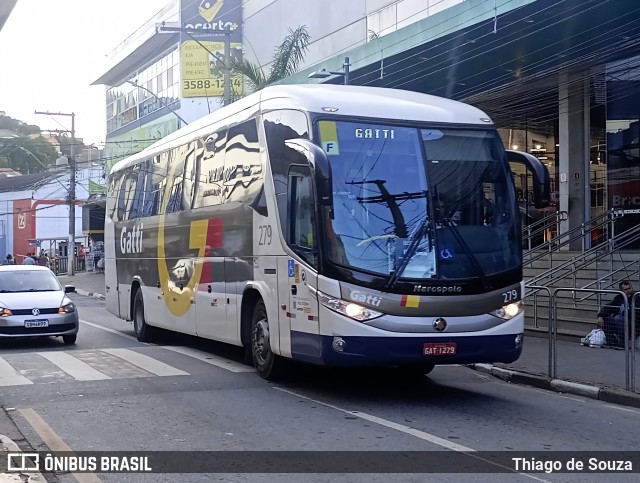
[110, 392]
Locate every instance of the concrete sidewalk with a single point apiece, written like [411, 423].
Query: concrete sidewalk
[596, 373]
[86, 283]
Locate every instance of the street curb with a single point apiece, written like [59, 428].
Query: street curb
[7, 445]
[615, 396]
[90, 294]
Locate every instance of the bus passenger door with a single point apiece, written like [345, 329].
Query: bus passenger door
[112, 295]
[302, 238]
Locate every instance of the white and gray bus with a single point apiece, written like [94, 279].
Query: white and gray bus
[333, 225]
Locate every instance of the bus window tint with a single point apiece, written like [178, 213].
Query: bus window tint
[301, 233]
[177, 160]
[190, 173]
[113, 191]
[160, 167]
[380, 197]
[147, 192]
[210, 170]
[473, 203]
[279, 126]
[242, 166]
[121, 203]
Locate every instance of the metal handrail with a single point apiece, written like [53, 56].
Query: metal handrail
[628, 315]
[577, 233]
[586, 258]
[539, 227]
[599, 281]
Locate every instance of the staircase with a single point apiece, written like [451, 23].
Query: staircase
[553, 265]
[576, 313]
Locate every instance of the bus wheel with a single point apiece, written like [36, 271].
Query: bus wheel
[144, 332]
[266, 362]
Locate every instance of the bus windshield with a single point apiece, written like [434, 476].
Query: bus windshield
[420, 203]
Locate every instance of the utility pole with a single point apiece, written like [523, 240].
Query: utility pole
[72, 190]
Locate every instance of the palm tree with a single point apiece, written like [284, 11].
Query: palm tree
[286, 59]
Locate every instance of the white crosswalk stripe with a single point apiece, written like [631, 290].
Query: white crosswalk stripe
[10, 377]
[147, 363]
[81, 371]
[40, 367]
[19, 369]
[211, 359]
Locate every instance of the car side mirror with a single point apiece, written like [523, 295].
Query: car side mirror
[69, 289]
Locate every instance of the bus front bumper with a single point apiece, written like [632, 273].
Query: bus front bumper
[397, 351]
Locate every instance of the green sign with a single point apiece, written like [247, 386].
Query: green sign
[119, 147]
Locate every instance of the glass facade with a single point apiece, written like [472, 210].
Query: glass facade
[158, 86]
[623, 140]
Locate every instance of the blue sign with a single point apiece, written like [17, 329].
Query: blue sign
[292, 271]
[446, 252]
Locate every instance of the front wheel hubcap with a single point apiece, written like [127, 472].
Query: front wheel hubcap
[261, 341]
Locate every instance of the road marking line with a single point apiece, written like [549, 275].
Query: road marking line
[113, 331]
[147, 363]
[210, 359]
[10, 377]
[413, 432]
[622, 408]
[76, 368]
[187, 351]
[54, 442]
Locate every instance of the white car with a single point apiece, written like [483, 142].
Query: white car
[34, 304]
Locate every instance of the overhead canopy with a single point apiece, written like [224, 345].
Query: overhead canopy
[509, 62]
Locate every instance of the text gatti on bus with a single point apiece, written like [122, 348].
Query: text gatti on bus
[333, 225]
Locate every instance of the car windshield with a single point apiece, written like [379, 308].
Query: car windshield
[419, 203]
[28, 281]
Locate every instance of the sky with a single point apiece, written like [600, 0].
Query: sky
[51, 52]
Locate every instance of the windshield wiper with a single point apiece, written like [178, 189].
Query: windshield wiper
[411, 251]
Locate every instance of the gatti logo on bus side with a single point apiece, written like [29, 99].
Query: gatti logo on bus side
[131, 239]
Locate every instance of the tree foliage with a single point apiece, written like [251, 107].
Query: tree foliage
[22, 148]
[286, 59]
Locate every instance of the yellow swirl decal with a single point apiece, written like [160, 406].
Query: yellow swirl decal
[178, 296]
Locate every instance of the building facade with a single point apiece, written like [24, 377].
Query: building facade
[560, 78]
[34, 213]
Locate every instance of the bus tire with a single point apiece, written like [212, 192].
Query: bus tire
[143, 331]
[268, 365]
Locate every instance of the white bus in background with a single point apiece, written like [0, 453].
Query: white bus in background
[333, 225]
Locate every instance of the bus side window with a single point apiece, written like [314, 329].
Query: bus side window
[121, 203]
[302, 235]
[177, 156]
[112, 196]
[279, 126]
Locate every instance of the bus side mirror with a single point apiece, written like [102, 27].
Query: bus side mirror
[320, 168]
[541, 178]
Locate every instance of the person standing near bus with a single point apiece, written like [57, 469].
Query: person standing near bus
[81, 257]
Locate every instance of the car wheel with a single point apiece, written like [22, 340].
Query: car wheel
[268, 365]
[70, 339]
[144, 332]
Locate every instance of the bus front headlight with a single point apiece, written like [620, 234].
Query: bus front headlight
[509, 311]
[350, 309]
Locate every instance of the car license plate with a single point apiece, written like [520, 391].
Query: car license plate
[439, 349]
[36, 323]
